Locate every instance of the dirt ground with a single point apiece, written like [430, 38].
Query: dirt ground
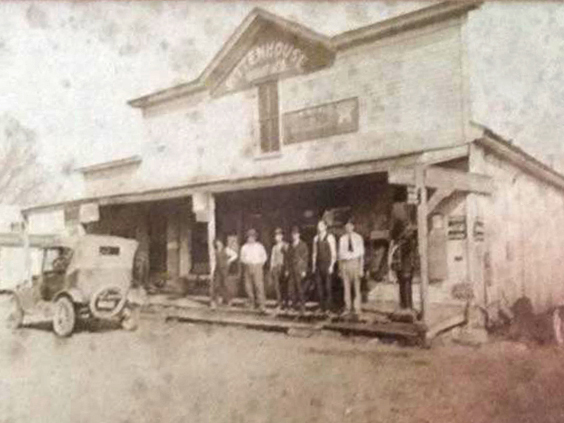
[177, 372]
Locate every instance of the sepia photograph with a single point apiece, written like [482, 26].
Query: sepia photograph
[281, 211]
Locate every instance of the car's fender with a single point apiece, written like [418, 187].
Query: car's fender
[74, 294]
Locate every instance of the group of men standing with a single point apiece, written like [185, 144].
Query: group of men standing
[289, 264]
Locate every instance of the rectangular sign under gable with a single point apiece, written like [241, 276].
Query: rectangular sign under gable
[321, 121]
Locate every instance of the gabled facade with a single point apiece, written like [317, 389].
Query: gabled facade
[280, 98]
[286, 126]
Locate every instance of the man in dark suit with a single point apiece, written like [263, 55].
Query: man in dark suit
[404, 236]
[297, 259]
[323, 262]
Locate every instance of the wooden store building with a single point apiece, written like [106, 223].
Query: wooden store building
[286, 126]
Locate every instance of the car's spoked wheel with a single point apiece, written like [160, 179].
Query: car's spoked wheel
[130, 319]
[64, 317]
[14, 318]
[558, 326]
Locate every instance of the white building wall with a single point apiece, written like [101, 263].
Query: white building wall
[47, 222]
[523, 218]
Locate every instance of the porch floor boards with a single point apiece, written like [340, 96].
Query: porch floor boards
[374, 322]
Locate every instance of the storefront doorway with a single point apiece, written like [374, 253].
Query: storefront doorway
[365, 198]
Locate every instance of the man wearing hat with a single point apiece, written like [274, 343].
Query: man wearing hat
[351, 265]
[404, 237]
[297, 258]
[277, 266]
[253, 257]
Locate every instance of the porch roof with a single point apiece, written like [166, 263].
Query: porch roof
[385, 164]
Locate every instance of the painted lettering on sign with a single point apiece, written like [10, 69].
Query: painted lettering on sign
[479, 232]
[263, 60]
[321, 121]
[456, 227]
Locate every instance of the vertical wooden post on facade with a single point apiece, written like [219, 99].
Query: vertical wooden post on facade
[211, 230]
[476, 247]
[172, 247]
[186, 222]
[422, 233]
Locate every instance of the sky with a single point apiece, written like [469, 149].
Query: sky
[68, 68]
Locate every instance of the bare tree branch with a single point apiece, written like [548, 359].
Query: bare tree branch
[21, 175]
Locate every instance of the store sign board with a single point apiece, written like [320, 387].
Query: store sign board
[202, 206]
[89, 212]
[479, 231]
[457, 227]
[271, 53]
[326, 120]
[266, 59]
[412, 195]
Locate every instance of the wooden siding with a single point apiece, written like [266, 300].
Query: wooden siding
[523, 219]
[110, 180]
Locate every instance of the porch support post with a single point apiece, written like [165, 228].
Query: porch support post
[211, 231]
[422, 234]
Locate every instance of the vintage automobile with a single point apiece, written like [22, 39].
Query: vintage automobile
[82, 278]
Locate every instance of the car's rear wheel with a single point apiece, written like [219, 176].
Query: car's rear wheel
[64, 317]
[15, 315]
[558, 325]
[130, 319]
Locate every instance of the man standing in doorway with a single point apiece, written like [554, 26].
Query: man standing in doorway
[278, 266]
[351, 266]
[224, 256]
[253, 257]
[297, 266]
[404, 238]
[323, 262]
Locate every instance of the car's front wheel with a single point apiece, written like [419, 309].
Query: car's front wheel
[64, 317]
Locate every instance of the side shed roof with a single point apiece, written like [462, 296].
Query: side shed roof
[516, 155]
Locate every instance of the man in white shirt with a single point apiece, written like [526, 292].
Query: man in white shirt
[253, 257]
[351, 265]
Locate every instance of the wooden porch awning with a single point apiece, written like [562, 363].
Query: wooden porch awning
[343, 170]
[443, 178]
[14, 239]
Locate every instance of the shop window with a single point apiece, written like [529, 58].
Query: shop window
[269, 117]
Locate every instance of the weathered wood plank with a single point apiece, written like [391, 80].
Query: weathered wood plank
[437, 177]
[435, 200]
[459, 319]
[415, 331]
[422, 233]
[237, 319]
[18, 240]
[404, 330]
[458, 180]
